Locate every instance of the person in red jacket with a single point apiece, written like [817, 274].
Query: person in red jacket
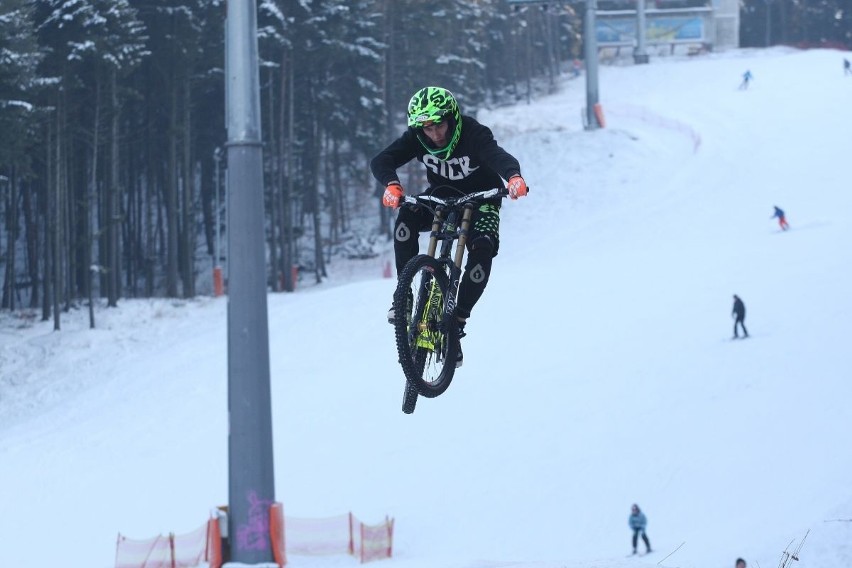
[460, 155]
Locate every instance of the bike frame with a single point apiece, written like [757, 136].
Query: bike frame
[444, 231]
[427, 340]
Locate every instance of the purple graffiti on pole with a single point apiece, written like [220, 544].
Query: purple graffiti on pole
[254, 535]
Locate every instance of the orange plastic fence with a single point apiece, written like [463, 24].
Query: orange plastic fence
[151, 553]
[172, 551]
[376, 541]
[330, 535]
[190, 549]
[343, 534]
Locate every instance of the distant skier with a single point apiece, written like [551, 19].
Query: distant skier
[782, 221]
[847, 67]
[747, 77]
[637, 522]
[739, 313]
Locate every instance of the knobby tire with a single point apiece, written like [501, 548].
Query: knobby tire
[428, 369]
[409, 398]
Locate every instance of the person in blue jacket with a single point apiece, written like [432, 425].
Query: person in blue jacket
[782, 220]
[637, 522]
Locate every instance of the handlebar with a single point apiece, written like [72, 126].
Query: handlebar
[450, 201]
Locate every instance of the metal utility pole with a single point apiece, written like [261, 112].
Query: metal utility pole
[640, 54]
[591, 54]
[251, 484]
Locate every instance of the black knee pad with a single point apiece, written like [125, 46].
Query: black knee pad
[482, 245]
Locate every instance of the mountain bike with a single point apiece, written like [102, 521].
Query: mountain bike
[424, 301]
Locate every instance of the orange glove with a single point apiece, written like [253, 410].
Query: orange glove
[517, 187]
[393, 194]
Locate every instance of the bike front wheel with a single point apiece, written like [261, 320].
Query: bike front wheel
[409, 398]
[426, 341]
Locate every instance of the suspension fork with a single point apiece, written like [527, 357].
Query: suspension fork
[455, 268]
[464, 227]
[437, 222]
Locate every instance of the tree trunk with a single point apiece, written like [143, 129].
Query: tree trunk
[288, 236]
[90, 215]
[56, 207]
[113, 200]
[274, 190]
[11, 238]
[188, 184]
[171, 200]
[150, 225]
[44, 215]
[31, 224]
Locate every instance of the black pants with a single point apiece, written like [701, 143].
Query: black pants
[482, 244]
[636, 533]
[740, 322]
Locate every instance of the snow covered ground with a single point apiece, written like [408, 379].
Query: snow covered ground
[599, 367]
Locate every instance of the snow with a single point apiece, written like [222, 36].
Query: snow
[599, 367]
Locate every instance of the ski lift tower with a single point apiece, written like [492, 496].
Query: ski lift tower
[590, 51]
[640, 54]
[251, 483]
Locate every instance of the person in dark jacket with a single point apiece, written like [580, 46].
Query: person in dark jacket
[739, 314]
[740, 563]
[460, 156]
[782, 220]
[638, 522]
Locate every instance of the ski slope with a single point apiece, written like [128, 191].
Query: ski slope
[599, 366]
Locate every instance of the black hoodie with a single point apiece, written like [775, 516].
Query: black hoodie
[477, 162]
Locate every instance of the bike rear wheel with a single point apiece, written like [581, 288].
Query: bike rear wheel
[427, 345]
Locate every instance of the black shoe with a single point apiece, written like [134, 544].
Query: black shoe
[460, 333]
[391, 314]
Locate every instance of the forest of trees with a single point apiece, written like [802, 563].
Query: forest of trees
[112, 127]
[112, 123]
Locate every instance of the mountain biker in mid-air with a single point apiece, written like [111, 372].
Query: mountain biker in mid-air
[461, 156]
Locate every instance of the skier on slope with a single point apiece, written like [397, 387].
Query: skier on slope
[637, 522]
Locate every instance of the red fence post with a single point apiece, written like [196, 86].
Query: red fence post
[218, 284]
[213, 554]
[172, 548]
[599, 115]
[276, 533]
[352, 537]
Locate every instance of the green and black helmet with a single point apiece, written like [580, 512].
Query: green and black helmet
[435, 105]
